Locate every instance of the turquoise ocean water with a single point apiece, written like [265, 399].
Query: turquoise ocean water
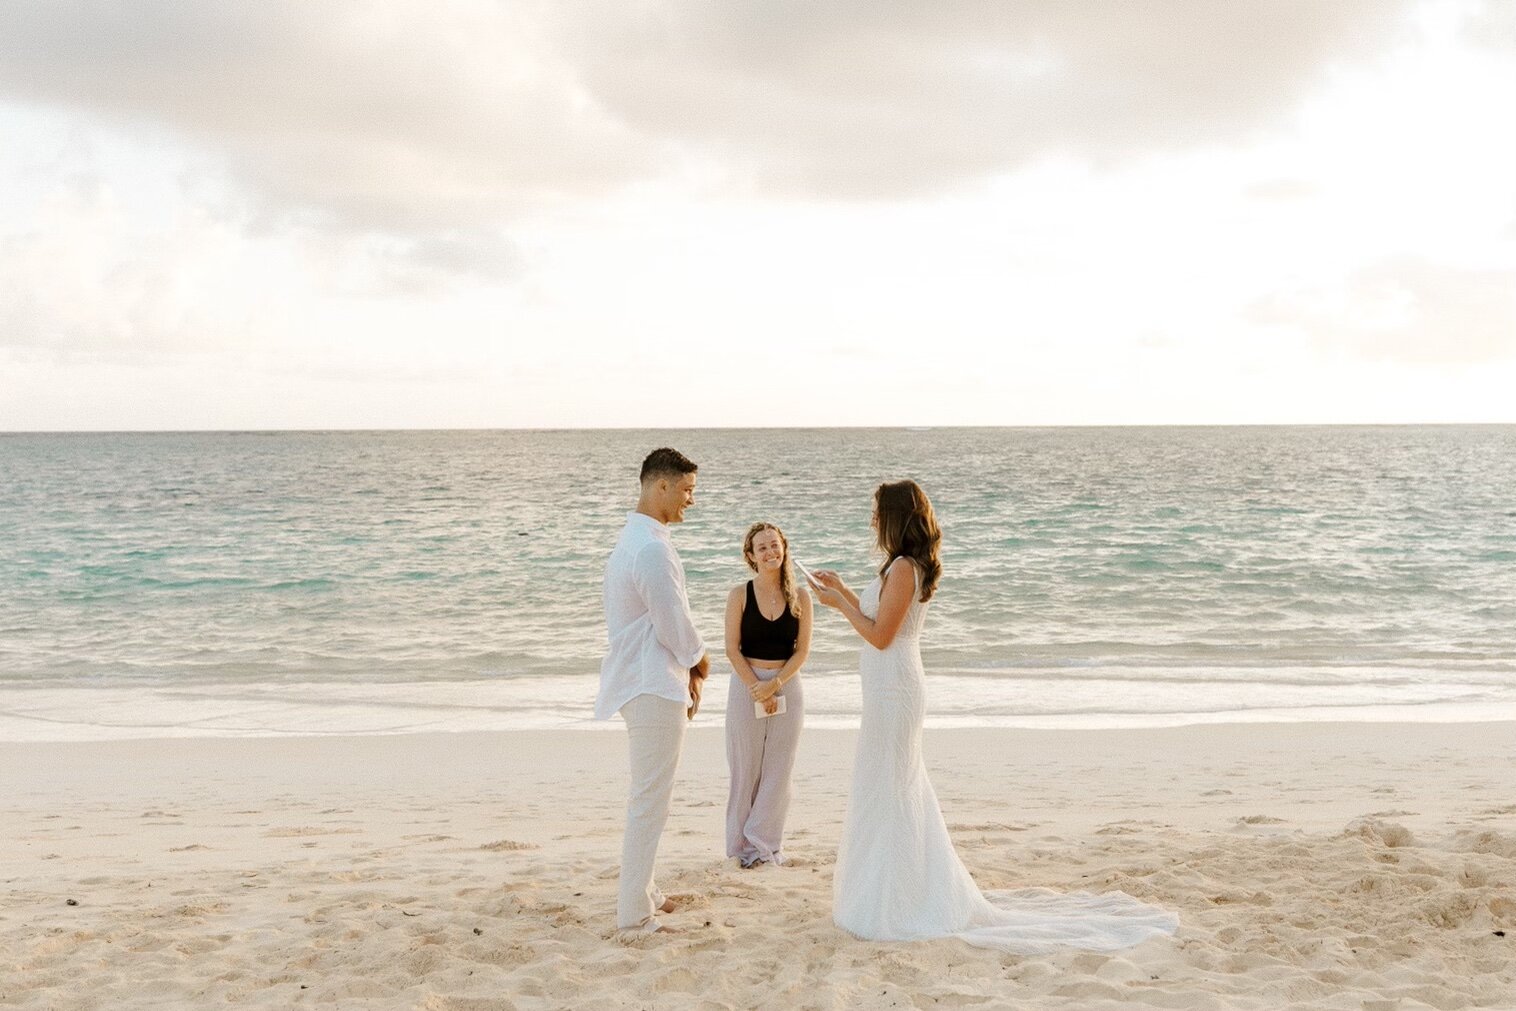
[362, 582]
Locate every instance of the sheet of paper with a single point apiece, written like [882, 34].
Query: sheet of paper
[758, 709]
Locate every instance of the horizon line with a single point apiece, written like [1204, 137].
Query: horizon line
[752, 428]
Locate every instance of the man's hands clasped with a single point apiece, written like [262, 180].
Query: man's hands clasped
[698, 674]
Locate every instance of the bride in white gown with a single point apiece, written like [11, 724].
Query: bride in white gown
[898, 877]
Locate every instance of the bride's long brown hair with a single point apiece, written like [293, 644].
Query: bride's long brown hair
[908, 527]
[786, 578]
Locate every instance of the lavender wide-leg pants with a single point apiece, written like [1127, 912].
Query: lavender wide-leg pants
[760, 756]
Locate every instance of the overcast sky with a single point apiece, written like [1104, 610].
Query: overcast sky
[684, 213]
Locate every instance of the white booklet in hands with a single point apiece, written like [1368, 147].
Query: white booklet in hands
[807, 573]
[759, 712]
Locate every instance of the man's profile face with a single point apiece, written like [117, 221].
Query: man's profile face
[681, 495]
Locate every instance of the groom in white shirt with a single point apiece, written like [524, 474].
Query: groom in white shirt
[652, 672]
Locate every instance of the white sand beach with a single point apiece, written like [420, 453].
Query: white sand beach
[1369, 867]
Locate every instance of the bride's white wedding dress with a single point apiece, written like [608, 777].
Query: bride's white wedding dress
[898, 877]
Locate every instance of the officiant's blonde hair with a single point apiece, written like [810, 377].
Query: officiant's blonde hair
[786, 578]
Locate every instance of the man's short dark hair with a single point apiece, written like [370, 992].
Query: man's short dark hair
[665, 462]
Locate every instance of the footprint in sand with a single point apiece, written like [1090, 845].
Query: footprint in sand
[989, 826]
[1385, 833]
[677, 981]
[688, 900]
[508, 844]
[1487, 841]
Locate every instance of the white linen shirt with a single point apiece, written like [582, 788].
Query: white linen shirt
[653, 642]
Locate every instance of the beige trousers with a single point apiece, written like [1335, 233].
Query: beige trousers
[655, 735]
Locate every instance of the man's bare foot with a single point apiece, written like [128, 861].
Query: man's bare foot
[669, 905]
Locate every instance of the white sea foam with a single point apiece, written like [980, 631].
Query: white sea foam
[78, 712]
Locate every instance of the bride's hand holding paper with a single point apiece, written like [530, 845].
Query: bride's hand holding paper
[827, 586]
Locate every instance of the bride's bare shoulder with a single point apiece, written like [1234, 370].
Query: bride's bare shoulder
[909, 574]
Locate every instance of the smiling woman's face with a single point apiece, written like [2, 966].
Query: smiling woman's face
[768, 550]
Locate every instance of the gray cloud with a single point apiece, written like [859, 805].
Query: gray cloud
[1410, 310]
[367, 118]
[415, 118]
[884, 98]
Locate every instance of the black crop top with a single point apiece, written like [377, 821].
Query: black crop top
[767, 640]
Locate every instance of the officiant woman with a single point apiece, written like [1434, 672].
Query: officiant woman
[768, 634]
